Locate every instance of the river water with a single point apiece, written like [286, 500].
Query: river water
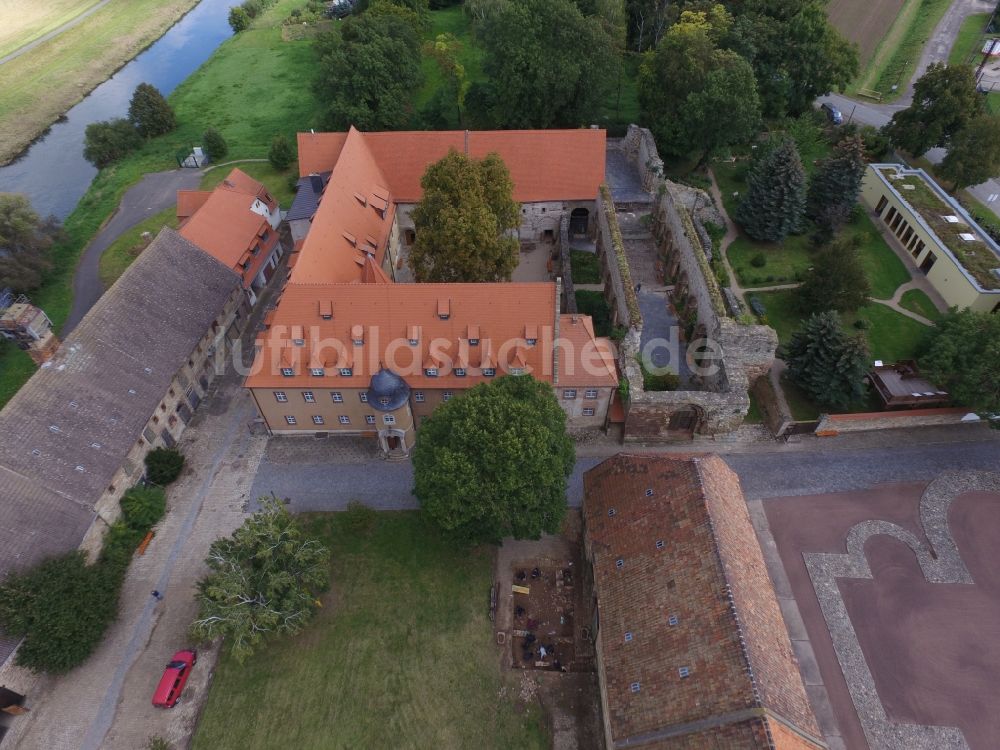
[53, 172]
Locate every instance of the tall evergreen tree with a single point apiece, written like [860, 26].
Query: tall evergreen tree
[836, 280]
[826, 363]
[776, 194]
[944, 101]
[834, 187]
[149, 112]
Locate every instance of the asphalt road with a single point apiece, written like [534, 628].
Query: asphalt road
[815, 466]
[154, 193]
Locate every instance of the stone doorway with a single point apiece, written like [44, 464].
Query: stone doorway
[579, 222]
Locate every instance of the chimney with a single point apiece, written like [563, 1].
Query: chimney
[317, 183]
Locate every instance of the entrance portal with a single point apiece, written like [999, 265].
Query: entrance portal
[579, 221]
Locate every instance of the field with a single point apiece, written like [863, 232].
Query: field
[25, 21]
[969, 40]
[42, 84]
[401, 655]
[864, 22]
[219, 94]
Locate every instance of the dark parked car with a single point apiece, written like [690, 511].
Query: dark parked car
[832, 113]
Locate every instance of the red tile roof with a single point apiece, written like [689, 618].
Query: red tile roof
[545, 165]
[189, 201]
[595, 352]
[681, 530]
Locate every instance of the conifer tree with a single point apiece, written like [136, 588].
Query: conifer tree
[776, 194]
[826, 363]
[834, 188]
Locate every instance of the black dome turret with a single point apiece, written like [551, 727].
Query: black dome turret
[387, 391]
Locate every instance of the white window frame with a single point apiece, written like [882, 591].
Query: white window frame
[569, 393]
[344, 419]
[309, 397]
[363, 396]
[447, 395]
[489, 372]
[418, 396]
[337, 396]
[588, 411]
[317, 372]
[431, 372]
[317, 419]
[289, 419]
[287, 371]
[590, 393]
[388, 419]
[346, 371]
[281, 397]
[369, 419]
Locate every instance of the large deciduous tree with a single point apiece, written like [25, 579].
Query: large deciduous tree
[963, 357]
[149, 112]
[263, 581]
[464, 221]
[493, 462]
[548, 64]
[836, 184]
[776, 194]
[367, 72]
[796, 53]
[836, 280]
[826, 363]
[107, 141]
[945, 100]
[694, 95]
[974, 154]
[25, 240]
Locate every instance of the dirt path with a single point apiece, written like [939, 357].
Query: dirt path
[731, 234]
[54, 33]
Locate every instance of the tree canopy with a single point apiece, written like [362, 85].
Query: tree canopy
[974, 154]
[836, 184]
[945, 100]
[776, 194]
[263, 581]
[214, 144]
[826, 363]
[696, 96]
[963, 357]
[493, 462]
[281, 154]
[836, 280]
[25, 241]
[368, 71]
[149, 112]
[107, 141]
[548, 64]
[464, 221]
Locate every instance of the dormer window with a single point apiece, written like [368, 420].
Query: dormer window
[431, 372]
[317, 371]
[346, 371]
[361, 199]
[287, 372]
[357, 335]
[383, 401]
[473, 335]
[517, 371]
[531, 335]
[459, 372]
[298, 336]
[444, 309]
[473, 342]
[326, 309]
[489, 372]
[413, 335]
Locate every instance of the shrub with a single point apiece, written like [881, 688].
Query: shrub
[164, 465]
[281, 154]
[585, 266]
[759, 260]
[862, 324]
[108, 141]
[666, 381]
[214, 144]
[144, 506]
[119, 546]
[593, 304]
[239, 19]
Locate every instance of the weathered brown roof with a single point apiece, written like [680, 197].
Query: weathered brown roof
[71, 425]
[710, 575]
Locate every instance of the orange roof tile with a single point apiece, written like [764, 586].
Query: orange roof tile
[593, 362]
[239, 181]
[544, 164]
[226, 228]
[329, 253]
[189, 201]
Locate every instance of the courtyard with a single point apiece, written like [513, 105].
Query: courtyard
[898, 595]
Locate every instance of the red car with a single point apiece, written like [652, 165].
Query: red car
[174, 678]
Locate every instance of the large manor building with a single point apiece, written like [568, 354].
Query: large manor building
[351, 347]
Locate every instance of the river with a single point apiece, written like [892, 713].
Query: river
[53, 172]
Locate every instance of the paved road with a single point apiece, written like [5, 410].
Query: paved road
[327, 476]
[54, 33]
[154, 193]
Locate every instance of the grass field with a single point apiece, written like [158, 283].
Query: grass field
[247, 111]
[24, 21]
[42, 84]
[127, 248]
[916, 301]
[401, 656]
[865, 22]
[449, 21]
[969, 40]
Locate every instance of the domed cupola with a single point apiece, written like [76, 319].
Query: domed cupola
[387, 391]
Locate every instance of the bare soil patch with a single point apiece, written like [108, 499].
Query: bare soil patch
[865, 22]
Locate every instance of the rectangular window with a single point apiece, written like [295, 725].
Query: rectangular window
[370, 418]
[459, 372]
[896, 221]
[337, 396]
[588, 412]
[363, 396]
[517, 371]
[890, 214]
[473, 342]
[317, 371]
[918, 248]
[431, 372]
[902, 228]
[531, 342]
[446, 396]
[317, 419]
[489, 372]
[344, 419]
[389, 419]
[290, 419]
[287, 372]
[590, 393]
[281, 397]
[418, 396]
[570, 393]
[309, 397]
[346, 371]
[907, 234]
[880, 207]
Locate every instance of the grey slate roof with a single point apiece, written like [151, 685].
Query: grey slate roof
[306, 198]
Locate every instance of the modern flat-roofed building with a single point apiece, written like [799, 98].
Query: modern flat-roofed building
[958, 257]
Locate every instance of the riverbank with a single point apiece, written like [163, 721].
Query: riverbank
[248, 110]
[40, 86]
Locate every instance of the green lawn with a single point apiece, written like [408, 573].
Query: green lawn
[969, 40]
[783, 261]
[585, 266]
[278, 182]
[883, 267]
[621, 106]
[802, 408]
[449, 21]
[126, 248]
[401, 656]
[247, 110]
[593, 304]
[916, 301]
